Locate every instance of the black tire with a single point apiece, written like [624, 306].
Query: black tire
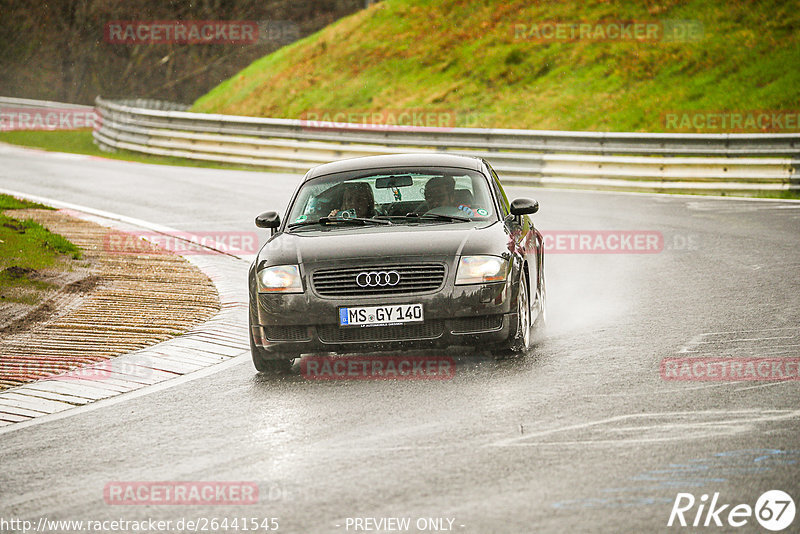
[520, 342]
[280, 366]
[540, 323]
[269, 364]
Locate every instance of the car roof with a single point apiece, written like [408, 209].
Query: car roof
[396, 160]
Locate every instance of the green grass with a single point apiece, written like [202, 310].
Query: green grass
[28, 232]
[25, 248]
[786, 195]
[80, 142]
[71, 141]
[8, 202]
[463, 57]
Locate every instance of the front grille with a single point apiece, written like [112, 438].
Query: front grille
[483, 323]
[336, 334]
[286, 333]
[341, 282]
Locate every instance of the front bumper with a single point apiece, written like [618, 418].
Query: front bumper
[482, 315]
[478, 331]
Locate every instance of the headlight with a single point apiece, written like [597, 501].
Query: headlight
[481, 269]
[280, 279]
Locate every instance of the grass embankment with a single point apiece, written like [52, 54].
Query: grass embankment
[478, 64]
[26, 248]
[480, 61]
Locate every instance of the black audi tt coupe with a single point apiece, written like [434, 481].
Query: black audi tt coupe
[392, 253]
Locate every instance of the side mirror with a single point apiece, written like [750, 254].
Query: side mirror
[524, 206]
[268, 219]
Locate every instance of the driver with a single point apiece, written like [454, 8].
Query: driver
[440, 191]
[357, 198]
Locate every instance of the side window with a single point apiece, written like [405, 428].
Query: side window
[498, 190]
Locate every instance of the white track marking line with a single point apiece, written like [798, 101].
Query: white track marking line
[778, 347]
[738, 340]
[776, 415]
[692, 343]
[775, 383]
[673, 390]
[748, 331]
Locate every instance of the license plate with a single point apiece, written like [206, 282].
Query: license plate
[381, 315]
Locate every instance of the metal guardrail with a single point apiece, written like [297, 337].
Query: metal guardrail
[597, 160]
[149, 103]
[43, 115]
[735, 163]
[11, 102]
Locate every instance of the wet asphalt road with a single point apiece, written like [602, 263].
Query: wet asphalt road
[581, 435]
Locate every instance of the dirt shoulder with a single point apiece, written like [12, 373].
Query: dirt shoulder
[97, 306]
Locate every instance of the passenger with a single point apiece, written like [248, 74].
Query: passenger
[357, 201]
[440, 191]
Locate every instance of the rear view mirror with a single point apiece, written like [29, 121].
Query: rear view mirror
[388, 182]
[524, 206]
[268, 219]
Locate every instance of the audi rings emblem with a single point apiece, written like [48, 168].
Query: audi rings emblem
[378, 279]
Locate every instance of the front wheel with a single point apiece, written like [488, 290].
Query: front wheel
[272, 366]
[520, 342]
[540, 323]
[269, 365]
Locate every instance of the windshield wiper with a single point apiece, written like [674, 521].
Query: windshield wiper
[437, 217]
[304, 223]
[361, 221]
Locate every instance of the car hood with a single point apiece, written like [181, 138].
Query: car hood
[336, 243]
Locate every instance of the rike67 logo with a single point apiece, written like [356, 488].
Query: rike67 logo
[774, 511]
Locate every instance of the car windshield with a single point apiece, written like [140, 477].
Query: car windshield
[436, 195]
